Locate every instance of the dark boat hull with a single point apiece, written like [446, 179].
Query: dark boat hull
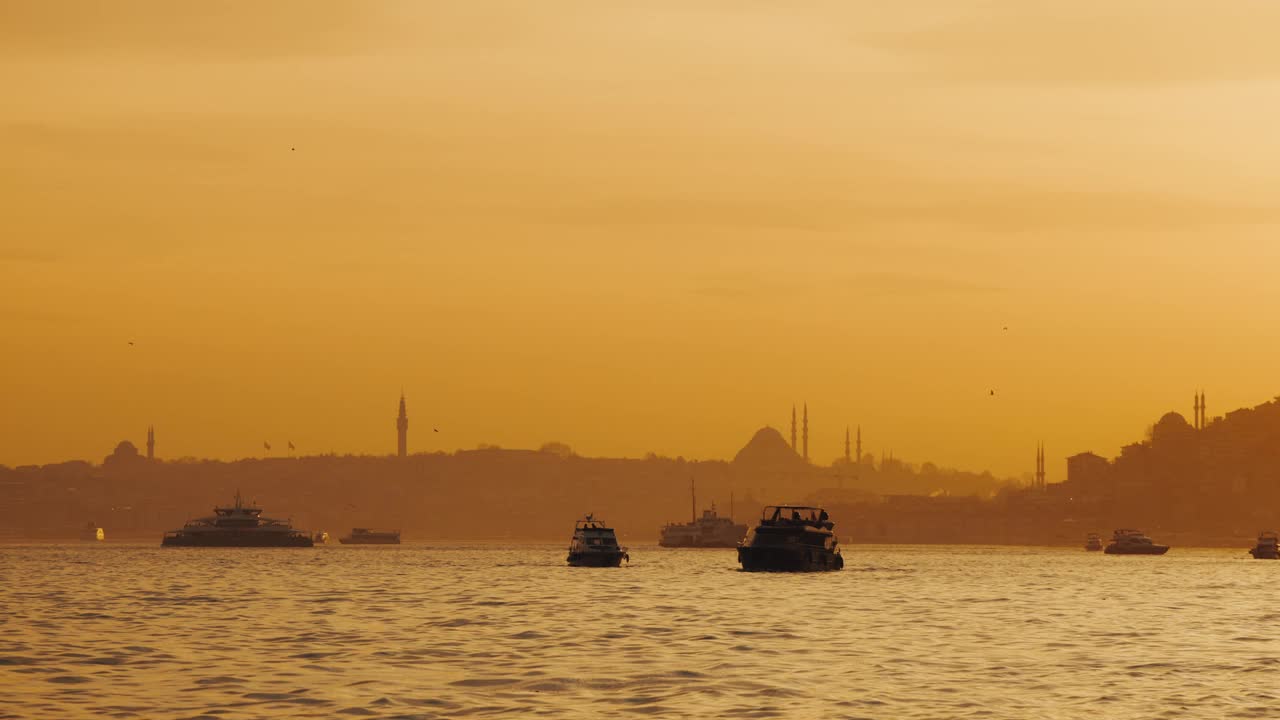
[369, 541]
[596, 559]
[1264, 553]
[1143, 550]
[230, 540]
[788, 559]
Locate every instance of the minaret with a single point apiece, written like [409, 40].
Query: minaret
[1195, 408]
[847, 459]
[793, 426]
[402, 430]
[805, 432]
[859, 448]
[151, 442]
[1039, 484]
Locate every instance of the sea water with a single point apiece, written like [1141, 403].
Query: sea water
[427, 631]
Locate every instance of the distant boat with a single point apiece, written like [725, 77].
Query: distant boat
[237, 526]
[792, 538]
[92, 533]
[595, 544]
[1266, 547]
[320, 538]
[1093, 542]
[1133, 542]
[708, 531]
[365, 536]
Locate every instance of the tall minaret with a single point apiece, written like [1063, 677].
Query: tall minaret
[402, 430]
[793, 426]
[1040, 467]
[1195, 407]
[847, 458]
[859, 447]
[151, 442]
[805, 432]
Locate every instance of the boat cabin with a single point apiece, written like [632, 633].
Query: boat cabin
[795, 515]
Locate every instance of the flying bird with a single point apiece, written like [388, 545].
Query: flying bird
[130, 343]
[993, 393]
[435, 429]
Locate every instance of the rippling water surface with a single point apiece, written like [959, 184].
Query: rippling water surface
[421, 631]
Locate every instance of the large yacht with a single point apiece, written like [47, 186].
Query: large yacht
[594, 544]
[708, 531]
[1266, 547]
[365, 536]
[1133, 542]
[237, 526]
[793, 538]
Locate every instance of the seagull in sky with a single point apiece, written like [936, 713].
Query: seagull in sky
[993, 393]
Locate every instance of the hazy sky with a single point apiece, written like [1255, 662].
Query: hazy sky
[634, 226]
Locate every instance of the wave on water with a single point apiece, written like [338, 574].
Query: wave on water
[122, 631]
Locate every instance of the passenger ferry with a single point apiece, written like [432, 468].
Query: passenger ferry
[708, 531]
[794, 538]
[365, 536]
[237, 526]
[594, 544]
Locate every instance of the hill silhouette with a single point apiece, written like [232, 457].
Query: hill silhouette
[483, 494]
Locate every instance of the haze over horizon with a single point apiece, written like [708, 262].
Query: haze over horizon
[633, 228]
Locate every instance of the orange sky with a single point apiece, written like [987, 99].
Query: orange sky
[634, 226]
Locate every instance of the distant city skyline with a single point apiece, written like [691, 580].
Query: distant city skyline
[1039, 472]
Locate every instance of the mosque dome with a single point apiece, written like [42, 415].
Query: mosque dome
[126, 452]
[1171, 425]
[767, 450]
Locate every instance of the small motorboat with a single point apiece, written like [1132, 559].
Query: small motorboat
[1133, 542]
[595, 544]
[791, 538]
[1266, 548]
[1093, 542]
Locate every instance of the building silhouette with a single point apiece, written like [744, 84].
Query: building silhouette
[151, 442]
[402, 430]
[793, 426]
